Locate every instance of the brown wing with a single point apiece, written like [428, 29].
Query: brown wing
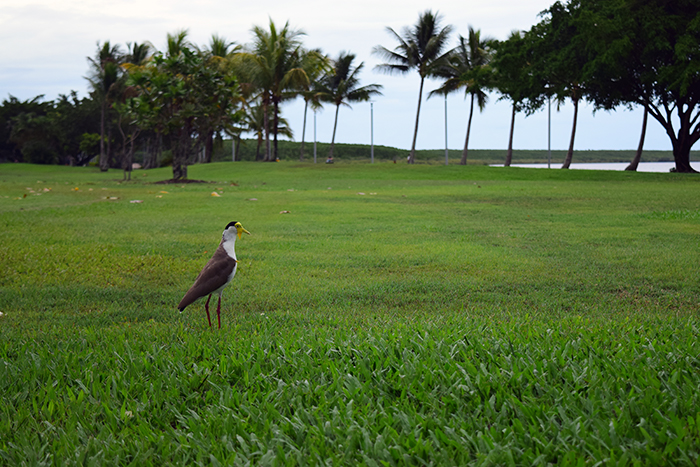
[214, 275]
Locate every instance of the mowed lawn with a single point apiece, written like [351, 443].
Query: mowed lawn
[395, 315]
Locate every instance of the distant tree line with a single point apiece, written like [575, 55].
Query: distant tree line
[176, 105]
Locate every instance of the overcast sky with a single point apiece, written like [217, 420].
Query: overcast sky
[45, 44]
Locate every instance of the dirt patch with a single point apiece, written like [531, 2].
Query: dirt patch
[180, 181]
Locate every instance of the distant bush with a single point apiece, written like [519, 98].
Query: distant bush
[39, 152]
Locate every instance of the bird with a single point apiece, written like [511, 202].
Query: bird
[217, 273]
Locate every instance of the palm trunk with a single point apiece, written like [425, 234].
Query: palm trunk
[570, 152]
[303, 132]
[335, 126]
[276, 120]
[509, 154]
[412, 155]
[638, 156]
[104, 163]
[465, 151]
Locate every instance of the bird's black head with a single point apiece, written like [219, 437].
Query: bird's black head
[231, 224]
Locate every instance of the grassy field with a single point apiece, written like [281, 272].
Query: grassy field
[397, 315]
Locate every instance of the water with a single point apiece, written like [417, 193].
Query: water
[661, 167]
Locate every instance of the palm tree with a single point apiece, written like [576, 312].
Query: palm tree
[177, 42]
[104, 78]
[468, 67]
[341, 86]
[219, 53]
[314, 64]
[420, 48]
[254, 121]
[274, 67]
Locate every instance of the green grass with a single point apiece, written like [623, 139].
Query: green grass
[447, 316]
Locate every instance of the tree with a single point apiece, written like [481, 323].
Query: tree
[11, 142]
[105, 77]
[467, 66]
[647, 53]
[174, 96]
[315, 64]
[253, 118]
[273, 65]
[342, 86]
[421, 48]
[512, 78]
[561, 57]
[218, 54]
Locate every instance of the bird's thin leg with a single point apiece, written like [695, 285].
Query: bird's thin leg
[206, 307]
[218, 311]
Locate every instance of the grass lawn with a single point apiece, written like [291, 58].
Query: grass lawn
[397, 315]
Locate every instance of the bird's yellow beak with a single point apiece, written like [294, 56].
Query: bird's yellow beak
[240, 230]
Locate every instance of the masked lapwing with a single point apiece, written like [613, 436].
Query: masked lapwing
[217, 273]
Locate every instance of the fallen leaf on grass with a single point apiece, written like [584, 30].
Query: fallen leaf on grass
[285, 212]
[252, 199]
[136, 201]
[215, 194]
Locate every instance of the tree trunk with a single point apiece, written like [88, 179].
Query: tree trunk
[303, 132]
[180, 153]
[570, 152]
[266, 133]
[238, 148]
[208, 147]
[509, 154]
[465, 151]
[681, 154]
[276, 121]
[638, 156]
[412, 155]
[335, 125]
[104, 163]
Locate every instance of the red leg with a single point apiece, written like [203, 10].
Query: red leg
[218, 311]
[206, 307]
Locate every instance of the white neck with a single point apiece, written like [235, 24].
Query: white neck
[229, 243]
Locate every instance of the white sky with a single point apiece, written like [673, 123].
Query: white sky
[45, 44]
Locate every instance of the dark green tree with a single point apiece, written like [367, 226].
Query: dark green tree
[647, 53]
[561, 56]
[174, 95]
[513, 78]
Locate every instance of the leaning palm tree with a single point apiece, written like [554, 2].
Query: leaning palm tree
[342, 86]
[421, 48]
[104, 78]
[468, 67]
